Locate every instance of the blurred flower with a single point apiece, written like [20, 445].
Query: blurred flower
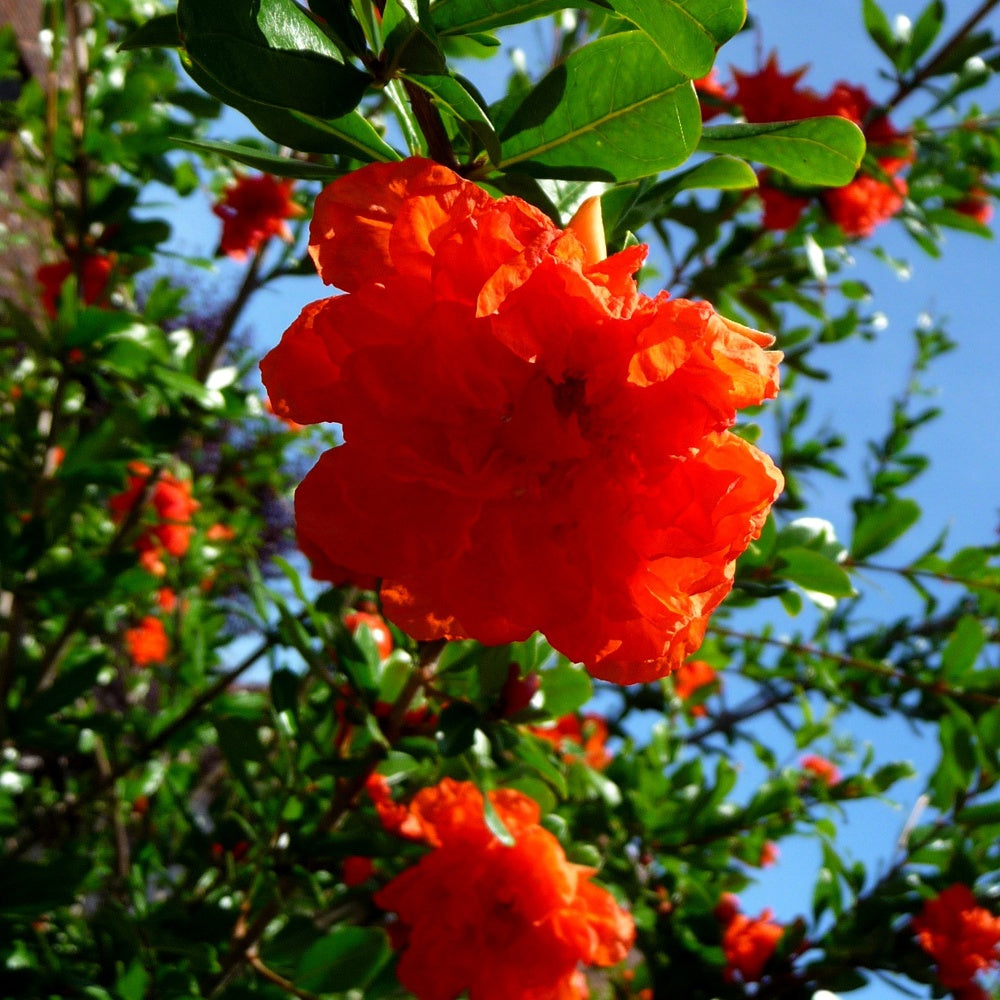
[823, 769]
[220, 533]
[147, 642]
[768, 95]
[781, 209]
[692, 676]
[749, 943]
[517, 691]
[376, 625]
[503, 923]
[588, 731]
[711, 87]
[166, 598]
[769, 854]
[172, 501]
[357, 870]
[252, 210]
[976, 205]
[962, 937]
[95, 272]
[570, 433]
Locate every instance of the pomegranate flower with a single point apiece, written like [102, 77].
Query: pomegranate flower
[530, 443]
[147, 642]
[95, 273]
[501, 922]
[962, 937]
[253, 210]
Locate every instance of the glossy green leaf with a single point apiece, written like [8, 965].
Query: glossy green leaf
[813, 571]
[687, 32]
[349, 135]
[346, 959]
[451, 97]
[614, 111]
[822, 151]
[158, 32]
[466, 17]
[878, 525]
[259, 159]
[271, 53]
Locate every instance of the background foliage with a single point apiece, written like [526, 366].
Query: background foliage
[182, 804]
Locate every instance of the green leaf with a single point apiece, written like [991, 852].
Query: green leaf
[565, 688]
[878, 524]
[259, 159]
[347, 959]
[814, 571]
[448, 94]
[878, 27]
[157, 32]
[271, 52]
[466, 17]
[818, 151]
[350, 135]
[687, 32]
[963, 647]
[613, 111]
[457, 727]
[925, 30]
[495, 824]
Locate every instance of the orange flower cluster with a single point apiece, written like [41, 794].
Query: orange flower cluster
[95, 273]
[748, 942]
[962, 937]
[823, 769]
[768, 95]
[503, 923]
[171, 499]
[253, 210]
[530, 443]
[573, 732]
[693, 676]
[147, 642]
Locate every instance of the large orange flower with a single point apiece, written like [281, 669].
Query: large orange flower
[530, 443]
[503, 923]
[749, 943]
[960, 935]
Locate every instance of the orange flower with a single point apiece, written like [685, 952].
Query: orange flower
[781, 209]
[823, 769]
[768, 95]
[503, 923]
[749, 943]
[95, 272]
[569, 433]
[147, 642]
[376, 625]
[711, 87]
[253, 210]
[220, 533]
[172, 501]
[769, 854]
[976, 205]
[692, 676]
[962, 937]
[588, 731]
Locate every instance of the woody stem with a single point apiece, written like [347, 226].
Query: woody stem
[432, 126]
